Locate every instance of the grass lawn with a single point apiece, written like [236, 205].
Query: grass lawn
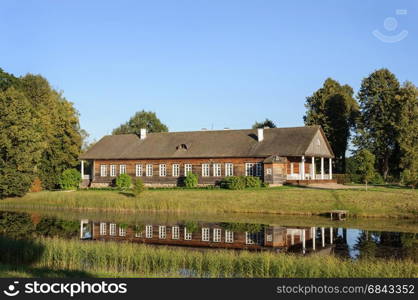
[376, 202]
[55, 257]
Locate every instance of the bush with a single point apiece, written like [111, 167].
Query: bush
[138, 187]
[191, 226]
[70, 179]
[233, 183]
[341, 178]
[191, 180]
[36, 185]
[409, 179]
[123, 182]
[377, 179]
[252, 182]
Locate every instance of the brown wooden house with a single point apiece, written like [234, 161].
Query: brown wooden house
[276, 155]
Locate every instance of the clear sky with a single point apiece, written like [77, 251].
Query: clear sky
[203, 63]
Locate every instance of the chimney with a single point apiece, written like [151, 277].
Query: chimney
[143, 133]
[260, 134]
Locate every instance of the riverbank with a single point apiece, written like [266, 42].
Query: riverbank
[54, 257]
[376, 202]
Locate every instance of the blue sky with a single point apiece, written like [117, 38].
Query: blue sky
[202, 63]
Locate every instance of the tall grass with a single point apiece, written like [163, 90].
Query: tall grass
[379, 202]
[128, 259]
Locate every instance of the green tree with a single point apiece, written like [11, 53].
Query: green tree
[7, 80]
[365, 165]
[408, 129]
[266, 123]
[380, 111]
[70, 179]
[191, 180]
[20, 143]
[138, 187]
[61, 133]
[123, 182]
[141, 119]
[334, 108]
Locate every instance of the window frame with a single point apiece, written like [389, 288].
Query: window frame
[217, 170]
[122, 231]
[103, 228]
[112, 229]
[205, 170]
[205, 234]
[149, 231]
[162, 232]
[217, 235]
[138, 170]
[162, 170]
[103, 170]
[187, 235]
[175, 232]
[122, 169]
[229, 169]
[149, 171]
[112, 171]
[175, 168]
[188, 168]
[229, 236]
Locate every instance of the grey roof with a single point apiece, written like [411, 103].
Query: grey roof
[293, 141]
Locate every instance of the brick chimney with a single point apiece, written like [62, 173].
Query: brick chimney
[143, 133]
[260, 134]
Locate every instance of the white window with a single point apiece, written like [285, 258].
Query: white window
[122, 231]
[163, 170]
[252, 238]
[138, 234]
[205, 234]
[187, 235]
[103, 170]
[269, 171]
[112, 229]
[138, 170]
[162, 232]
[292, 168]
[205, 170]
[269, 237]
[217, 235]
[217, 170]
[229, 169]
[229, 236]
[112, 170]
[122, 169]
[148, 231]
[187, 169]
[176, 170]
[253, 169]
[149, 170]
[103, 228]
[175, 232]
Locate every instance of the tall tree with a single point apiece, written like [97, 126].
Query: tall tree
[380, 109]
[334, 108]
[60, 129]
[408, 128]
[20, 143]
[141, 119]
[7, 80]
[365, 161]
[266, 123]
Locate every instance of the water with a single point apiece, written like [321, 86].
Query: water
[301, 235]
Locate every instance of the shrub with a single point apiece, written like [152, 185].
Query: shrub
[70, 179]
[191, 226]
[233, 183]
[191, 180]
[377, 179]
[36, 185]
[252, 182]
[341, 178]
[138, 187]
[123, 182]
[409, 179]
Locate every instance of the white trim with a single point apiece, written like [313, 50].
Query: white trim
[322, 168]
[148, 231]
[175, 232]
[188, 168]
[149, 170]
[122, 169]
[217, 170]
[205, 170]
[103, 170]
[175, 170]
[205, 234]
[112, 229]
[103, 227]
[229, 236]
[162, 170]
[162, 232]
[217, 235]
[187, 235]
[138, 170]
[112, 170]
[229, 169]
[122, 231]
[330, 168]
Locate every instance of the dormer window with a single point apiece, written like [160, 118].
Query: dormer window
[182, 146]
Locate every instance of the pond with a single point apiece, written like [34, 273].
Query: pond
[353, 238]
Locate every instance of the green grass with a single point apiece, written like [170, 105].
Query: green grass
[377, 202]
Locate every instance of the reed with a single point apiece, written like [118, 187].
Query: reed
[128, 259]
[377, 202]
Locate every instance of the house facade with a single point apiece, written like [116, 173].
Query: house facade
[276, 155]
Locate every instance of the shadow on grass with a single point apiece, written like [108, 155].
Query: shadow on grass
[7, 270]
[127, 194]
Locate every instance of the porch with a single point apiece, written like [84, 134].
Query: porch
[310, 173]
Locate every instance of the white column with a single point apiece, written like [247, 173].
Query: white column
[330, 235]
[322, 168]
[82, 169]
[313, 237]
[292, 238]
[323, 236]
[313, 168]
[330, 168]
[302, 172]
[303, 241]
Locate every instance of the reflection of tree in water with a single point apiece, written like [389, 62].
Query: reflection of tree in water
[341, 245]
[366, 245]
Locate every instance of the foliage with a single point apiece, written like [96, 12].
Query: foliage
[252, 182]
[243, 227]
[191, 226]
[123, 182]
[380, 112]
[51, 226]
[409, 179]
[365, 161]
[191, 180]
[233, 183]
[335, 110]
[141, 119]
[70, 179]
[377, 179]
[16, 225]
[138, 187]
[266, 123]
[36, 185]
[20, 143]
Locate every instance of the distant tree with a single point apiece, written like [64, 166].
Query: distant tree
[334, 108]
[266, 123]
[141, 119]
[380, 112]
[365, 165]
[138, 187]
[20, 143]
[408, 130]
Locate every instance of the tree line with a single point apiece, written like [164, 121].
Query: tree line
[40, 134]
[381, 120]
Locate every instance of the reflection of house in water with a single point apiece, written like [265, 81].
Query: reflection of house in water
[214, 235]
